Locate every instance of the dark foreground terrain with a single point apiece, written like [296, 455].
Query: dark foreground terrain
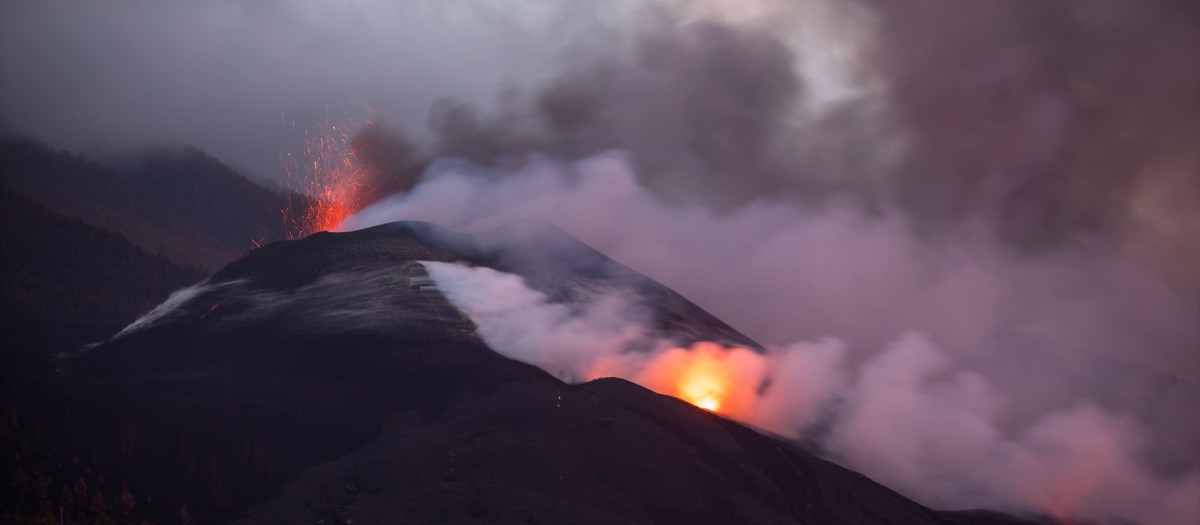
[327, 380]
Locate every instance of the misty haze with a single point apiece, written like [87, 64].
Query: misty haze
[638, 261]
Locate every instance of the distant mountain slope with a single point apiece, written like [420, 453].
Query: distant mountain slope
[56, 263]
[180, 204]
[74, 186]
[210, 196]
[63, 281]
[328, 380]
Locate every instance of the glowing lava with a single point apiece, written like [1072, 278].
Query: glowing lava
[708, 375]
[703, 383]
[326, 178]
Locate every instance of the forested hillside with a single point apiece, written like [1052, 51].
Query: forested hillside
[86, 248]
[178, 203]
[63, 281]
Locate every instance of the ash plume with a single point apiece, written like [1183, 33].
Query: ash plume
[957, 369]
[390, 161]
[1042, 121]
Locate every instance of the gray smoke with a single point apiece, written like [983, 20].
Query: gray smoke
[1042, 121]
[955, 368]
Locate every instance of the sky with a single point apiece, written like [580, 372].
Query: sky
[1041, 118]
[970, 200]
[230, 77]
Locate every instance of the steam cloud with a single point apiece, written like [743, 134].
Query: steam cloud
[1041, 121]
[951, 367]
[953, 238]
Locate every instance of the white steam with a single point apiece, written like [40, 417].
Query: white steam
[781, 273]
[948, 367]
[169, 307]
[522, 324]
[909, 420]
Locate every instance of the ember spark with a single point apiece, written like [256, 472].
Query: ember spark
[324, 182]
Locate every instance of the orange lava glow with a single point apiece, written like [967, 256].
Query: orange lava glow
[326, 178]
[1064, 495]
[703, 383]
[708, 375]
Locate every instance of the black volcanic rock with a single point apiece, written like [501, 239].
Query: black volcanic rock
[328, 379]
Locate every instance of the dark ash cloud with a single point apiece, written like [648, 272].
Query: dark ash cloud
[1042, 121]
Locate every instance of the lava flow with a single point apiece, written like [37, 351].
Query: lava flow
[707, 375]
[703, 384]
[325, 181]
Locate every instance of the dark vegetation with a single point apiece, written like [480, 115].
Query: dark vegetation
[87, 248]
[58, 264]
[211, 197]
[84, 250]
[64, 283]
[178, 203]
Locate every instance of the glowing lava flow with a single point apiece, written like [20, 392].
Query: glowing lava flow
[703, 384]
[708, 375]
[326, 178]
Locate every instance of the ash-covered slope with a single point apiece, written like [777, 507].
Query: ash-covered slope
[328, 379]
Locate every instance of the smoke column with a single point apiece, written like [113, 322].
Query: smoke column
[952, 367]
[967, 233]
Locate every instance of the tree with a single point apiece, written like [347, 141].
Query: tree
[125, 501]
[80, 490]
[100, 508]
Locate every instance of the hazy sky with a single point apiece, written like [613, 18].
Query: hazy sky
[229, 77]
[1039, 118]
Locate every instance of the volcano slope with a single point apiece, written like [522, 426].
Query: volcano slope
[328, 379]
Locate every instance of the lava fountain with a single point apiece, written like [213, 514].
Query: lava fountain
[324, 184]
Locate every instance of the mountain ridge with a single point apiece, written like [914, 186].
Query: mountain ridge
[424, 420]
[328, 378]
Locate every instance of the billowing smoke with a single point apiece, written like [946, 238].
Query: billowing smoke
[803, 272]
[953, 367]
[968, 232]
[389, 162]
[912, 419]
[1041, 121]
[523, 324]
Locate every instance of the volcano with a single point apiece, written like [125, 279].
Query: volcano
[328, 380]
